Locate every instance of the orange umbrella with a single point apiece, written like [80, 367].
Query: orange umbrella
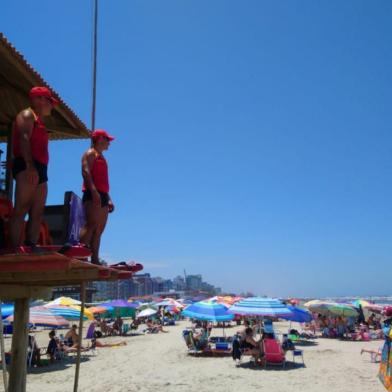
[97, 309]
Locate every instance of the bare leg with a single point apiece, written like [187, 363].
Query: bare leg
[86, 233]
[24, 196]
[102, 217]
[36, 212]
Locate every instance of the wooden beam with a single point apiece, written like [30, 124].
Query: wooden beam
[49, 278]
[13, 291]
[18, 369]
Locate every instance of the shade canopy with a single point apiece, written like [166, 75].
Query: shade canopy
[260, 307]
[17, 77]
[208, 311]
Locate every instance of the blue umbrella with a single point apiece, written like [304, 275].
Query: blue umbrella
[7, 310]
[208, 311]
[298, 315]
[260, 307]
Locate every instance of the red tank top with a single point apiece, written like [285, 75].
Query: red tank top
[99, 174]
[39, 141]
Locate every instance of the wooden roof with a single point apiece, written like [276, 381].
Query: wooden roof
[17, 77]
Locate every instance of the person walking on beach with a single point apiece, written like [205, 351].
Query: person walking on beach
[30, 165]
[96, 199]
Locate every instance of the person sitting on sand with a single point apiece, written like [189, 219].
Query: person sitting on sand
[287, 344]
[154, 327]
[249, 343]
[105, 328]
[117, 326]
[71, 338]
[53, 346]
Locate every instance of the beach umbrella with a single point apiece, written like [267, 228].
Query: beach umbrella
[63, 301]
[260, 307]
[318, 306]
[169, 302]
[70, 313]
[44, 317]
[208, 311]
[7, 310]
[368, 306]
[298, 315]
[146, 312]
[97, 309]
[120, 308]
[343, 310]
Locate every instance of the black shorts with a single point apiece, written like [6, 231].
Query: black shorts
[87, 196]
[19, 165]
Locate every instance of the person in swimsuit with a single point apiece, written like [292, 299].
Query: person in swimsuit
[30, 165]
[96, 199]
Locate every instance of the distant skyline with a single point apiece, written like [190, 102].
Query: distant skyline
[253, 139]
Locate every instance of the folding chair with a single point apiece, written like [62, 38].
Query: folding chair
[298, 353]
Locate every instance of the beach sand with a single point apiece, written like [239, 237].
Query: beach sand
[159, 362]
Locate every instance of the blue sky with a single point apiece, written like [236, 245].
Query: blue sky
[253, 138]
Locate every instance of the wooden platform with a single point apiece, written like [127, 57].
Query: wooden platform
[53, 269]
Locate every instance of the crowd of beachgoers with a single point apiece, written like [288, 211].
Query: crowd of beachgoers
[267, 333]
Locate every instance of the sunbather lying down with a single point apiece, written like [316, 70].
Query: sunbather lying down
[97, 343]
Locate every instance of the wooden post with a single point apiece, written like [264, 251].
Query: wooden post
[4, 365]
[18, 370]
[83, 299]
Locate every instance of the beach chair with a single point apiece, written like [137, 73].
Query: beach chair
[273, 353]
[90, 331]
[298, 353]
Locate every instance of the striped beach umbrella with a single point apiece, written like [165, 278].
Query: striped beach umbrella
[63, 301]
[260, 307]
[208, 311]
[70, 313]
[44, 317]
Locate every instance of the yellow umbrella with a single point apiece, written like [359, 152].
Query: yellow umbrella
[64, 301]
[86, 312]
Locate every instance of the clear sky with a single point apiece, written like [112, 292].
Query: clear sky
[253, 138]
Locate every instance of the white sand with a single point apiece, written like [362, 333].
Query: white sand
[159, 362]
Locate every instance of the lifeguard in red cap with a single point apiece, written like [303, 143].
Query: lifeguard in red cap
[96, 199]
[30, 165]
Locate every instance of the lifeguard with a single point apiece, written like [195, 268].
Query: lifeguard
[96, 198]
[30, 165]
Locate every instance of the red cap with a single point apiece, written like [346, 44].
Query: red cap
[388, 311]
[101, 133]
[43, 92]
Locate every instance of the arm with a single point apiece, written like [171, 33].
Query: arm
[87, 163]
[110, 204]
[25, 124]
